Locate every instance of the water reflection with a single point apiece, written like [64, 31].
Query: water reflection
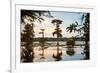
[64, 54]
[70, 51]
[58, 56]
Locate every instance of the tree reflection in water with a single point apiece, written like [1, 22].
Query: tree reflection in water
[42, 43]
[70, 51]
[57, 31]
[58, 56]
[70, 45]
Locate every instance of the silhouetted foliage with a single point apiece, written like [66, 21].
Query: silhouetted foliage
[27, 20]
[84, 30]
[70, 45]
[34, 15]
[70, 51]
[58, 33]
[86, 35]
[27, 53]
[58, 56]
[72, 27]
[71, 42]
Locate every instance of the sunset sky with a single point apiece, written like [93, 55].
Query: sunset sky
[67, 18]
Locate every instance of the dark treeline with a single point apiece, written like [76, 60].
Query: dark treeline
[55, 39]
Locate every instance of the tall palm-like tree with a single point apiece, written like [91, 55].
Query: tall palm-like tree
[28, 17]
[72, 27]
[57, 31]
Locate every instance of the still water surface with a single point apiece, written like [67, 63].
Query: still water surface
[48, 53]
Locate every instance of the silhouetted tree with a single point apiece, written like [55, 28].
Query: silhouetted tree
[72, 27]
[83, 29]
[28, 17]
[70, 45]
[58, 33]
[86, 34]
[71, 42]
[27, 52]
